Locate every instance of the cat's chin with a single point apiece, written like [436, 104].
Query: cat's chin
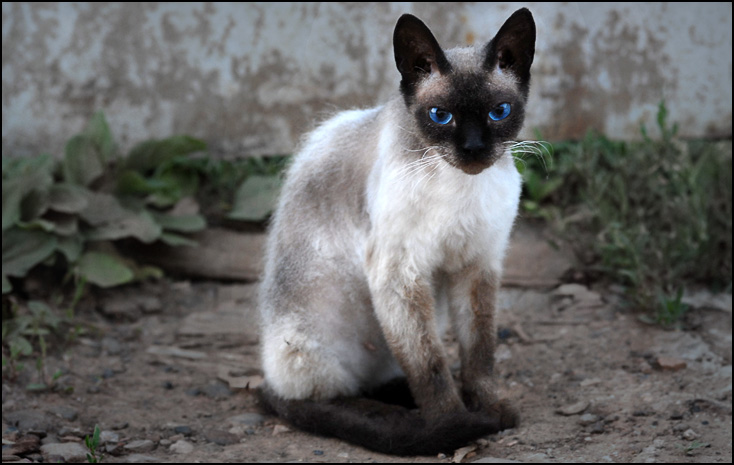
[473, 168]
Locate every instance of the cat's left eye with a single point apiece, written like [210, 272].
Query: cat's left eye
[440, 116]
[500, 112]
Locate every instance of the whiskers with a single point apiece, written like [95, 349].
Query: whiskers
[540, 149]
[422, 169]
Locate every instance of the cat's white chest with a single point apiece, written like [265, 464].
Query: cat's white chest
[438, 217]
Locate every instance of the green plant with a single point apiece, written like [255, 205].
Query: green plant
[653, 215]
[71, 211]
[93, 456]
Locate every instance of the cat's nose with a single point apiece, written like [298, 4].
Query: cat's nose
[474, 145]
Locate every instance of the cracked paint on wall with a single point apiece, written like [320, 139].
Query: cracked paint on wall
[251, 78]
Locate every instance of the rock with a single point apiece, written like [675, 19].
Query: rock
[598, 428]
[106, 437]
[183, 429]
[64, 452]
[222, 438]
[671, 363]
[65, 412]
[181, 447]
[689, 435]
[459, 454]
[216, 390]
[246, 419]
[141, 458]
[172, 351]
[587, 419]
[220, 254]
[24, 445]
[280, 429]
[574, 409]
[139, 446]
[30, 421]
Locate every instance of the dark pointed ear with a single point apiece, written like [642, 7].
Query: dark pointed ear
[417, 53]
[513, 48]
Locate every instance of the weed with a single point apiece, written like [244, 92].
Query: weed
[654, 215]
[93, 456]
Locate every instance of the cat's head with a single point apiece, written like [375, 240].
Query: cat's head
[468, 101]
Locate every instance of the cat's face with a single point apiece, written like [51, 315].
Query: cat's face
[467, 103]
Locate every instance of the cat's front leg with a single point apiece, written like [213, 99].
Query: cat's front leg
[404, 306]
[472, 302]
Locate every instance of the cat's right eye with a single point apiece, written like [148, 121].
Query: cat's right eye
[440, 116]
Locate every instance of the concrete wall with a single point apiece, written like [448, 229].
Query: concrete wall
[250, 78]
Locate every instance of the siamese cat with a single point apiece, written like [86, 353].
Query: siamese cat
[393, 222]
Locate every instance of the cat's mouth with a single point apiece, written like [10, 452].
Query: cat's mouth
[473, 165]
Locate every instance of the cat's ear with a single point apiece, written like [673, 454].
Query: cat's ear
[417, 53]
[513, 48]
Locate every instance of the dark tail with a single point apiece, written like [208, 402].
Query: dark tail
[386, 428]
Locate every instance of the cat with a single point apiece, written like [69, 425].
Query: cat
[392, 221]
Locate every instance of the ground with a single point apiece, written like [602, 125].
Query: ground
[169, 370]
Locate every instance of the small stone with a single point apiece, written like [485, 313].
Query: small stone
[139, 446]
[598, 428]
[246, 419]
[280, 429]
[676, 416]
[64, 451]
[216, 390]
[573, 409]
[590, 382]
[65, 412]
[587, 419]
[689, 434]
[107, 436]
[680, 427]
[222, 438]
[24, 445]
[30, 421]
[183, 429]
[671, 363]
[181, 447]
[141, 458]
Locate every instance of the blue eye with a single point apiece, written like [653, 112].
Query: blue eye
[440, 116]
[500, 112]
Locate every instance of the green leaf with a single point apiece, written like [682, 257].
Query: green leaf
[111, 221]
[99, 133]
[71, 247]
[180, 223]
[68, 198]
[81, 164]
[175, 240]
[151, 154]
[256, 198]
[12, 195]
[104, 270]
[24, 249]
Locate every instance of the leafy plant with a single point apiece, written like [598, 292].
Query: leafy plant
[71, 211]
[93, 456]
[652, 215]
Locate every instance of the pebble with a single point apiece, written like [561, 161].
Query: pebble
[280, 429]
[64, 451]
[680, 427]
[141, 445]
[183, 429]
[181, 447]
[573, 409]
[222, 438]
[65, 412]
[141, 458]
[30, 421]
[689, 434]
[246, 419]
[107, 436]
[587, 419]
[671, 363]
[216, 390]
[23, 445]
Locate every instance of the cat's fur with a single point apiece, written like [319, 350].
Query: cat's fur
[389, 225]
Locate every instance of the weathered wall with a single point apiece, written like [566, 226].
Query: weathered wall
[250, 78]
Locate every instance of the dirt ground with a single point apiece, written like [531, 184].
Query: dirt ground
[168, 376]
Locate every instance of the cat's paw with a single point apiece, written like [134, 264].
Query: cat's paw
[507, 414]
